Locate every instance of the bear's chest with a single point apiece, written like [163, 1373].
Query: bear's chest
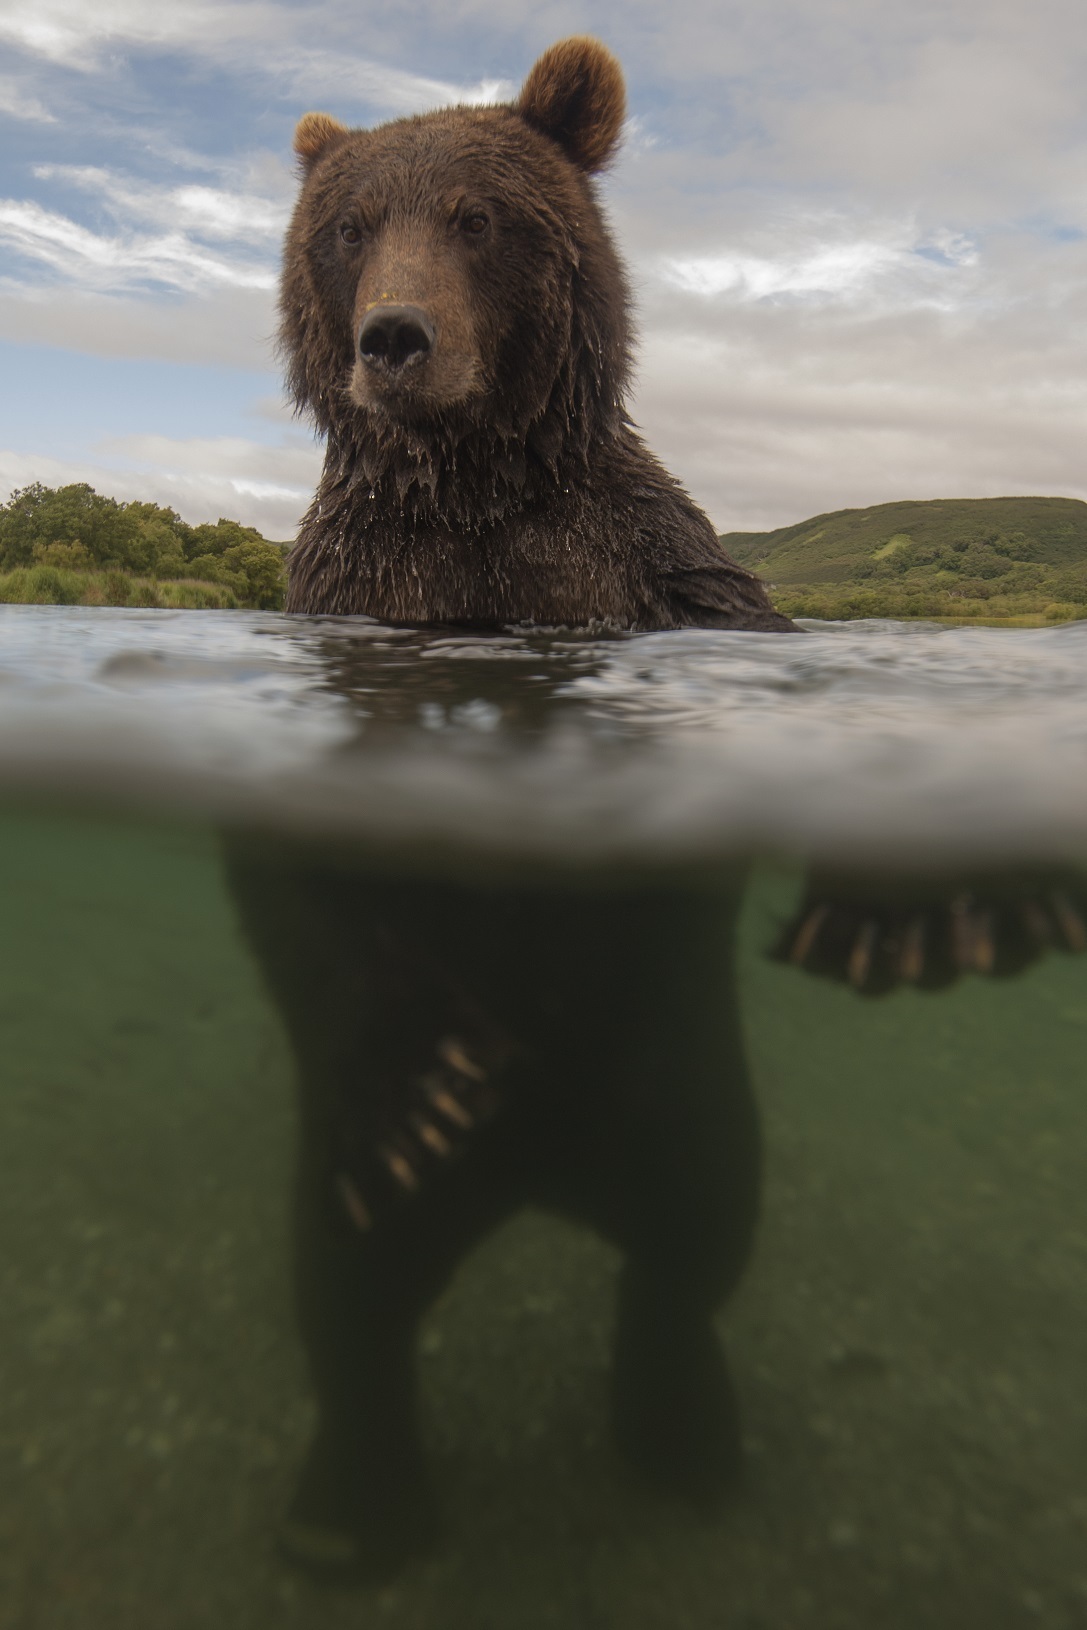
[514, 574]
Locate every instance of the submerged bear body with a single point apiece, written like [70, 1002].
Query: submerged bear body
[465, 1051]
[455, 317]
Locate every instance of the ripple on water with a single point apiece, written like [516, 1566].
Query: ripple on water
[867, 738]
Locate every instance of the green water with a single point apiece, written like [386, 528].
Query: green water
[909, 1342]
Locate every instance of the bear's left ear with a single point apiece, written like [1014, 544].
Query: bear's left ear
[315, 134]
[575, 94]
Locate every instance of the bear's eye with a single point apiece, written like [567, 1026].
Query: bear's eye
[350, 233]
[475, 222]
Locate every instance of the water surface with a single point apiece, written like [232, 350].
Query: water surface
[873, 739]
[908, 1343]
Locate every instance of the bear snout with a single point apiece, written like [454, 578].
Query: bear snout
[395, 337]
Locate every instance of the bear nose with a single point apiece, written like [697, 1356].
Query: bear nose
[392, 336]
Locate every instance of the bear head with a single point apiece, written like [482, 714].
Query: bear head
[449, 278]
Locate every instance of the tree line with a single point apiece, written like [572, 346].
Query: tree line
[55, 539]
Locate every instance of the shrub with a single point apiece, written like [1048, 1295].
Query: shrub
[41, 586]
[190, 596]
[118, 589]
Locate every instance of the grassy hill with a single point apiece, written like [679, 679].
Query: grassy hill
[973, 559]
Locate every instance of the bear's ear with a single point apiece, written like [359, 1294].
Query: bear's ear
[575, 94]
[314, 134]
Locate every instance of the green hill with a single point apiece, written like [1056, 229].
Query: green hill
[975, 559]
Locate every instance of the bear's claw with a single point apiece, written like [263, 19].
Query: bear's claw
[391, 1158]
[874, 937]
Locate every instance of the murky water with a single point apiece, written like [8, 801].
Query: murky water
[566, 826]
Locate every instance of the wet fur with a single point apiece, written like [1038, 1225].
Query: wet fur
[504, 482]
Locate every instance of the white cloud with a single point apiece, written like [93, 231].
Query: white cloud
[224, 326]
[252, 37]
[838, 269]
[953, 248]
[20, 103]
[72, 33]
[270, 489]
[823, 259]
[204, 211]
[207, 212]
[331, 75]
[45, 35]
[98, 260]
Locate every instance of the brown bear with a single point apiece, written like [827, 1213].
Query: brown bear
[456, 319]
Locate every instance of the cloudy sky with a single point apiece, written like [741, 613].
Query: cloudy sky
[858, 233]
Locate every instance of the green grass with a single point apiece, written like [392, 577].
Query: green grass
[55, 586]
[1020, 562]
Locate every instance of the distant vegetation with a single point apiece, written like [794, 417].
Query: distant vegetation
[990, 560]
[70, 546]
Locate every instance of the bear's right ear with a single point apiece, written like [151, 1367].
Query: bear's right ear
[314, 134]
[575, 94]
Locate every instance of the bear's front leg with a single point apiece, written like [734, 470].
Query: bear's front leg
[665, 1160]
[362, 1504]
[675, 1414]
[686, 1205]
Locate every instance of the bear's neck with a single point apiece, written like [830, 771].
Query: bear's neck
[463, 476]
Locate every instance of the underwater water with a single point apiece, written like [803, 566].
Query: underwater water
[908, 1339]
